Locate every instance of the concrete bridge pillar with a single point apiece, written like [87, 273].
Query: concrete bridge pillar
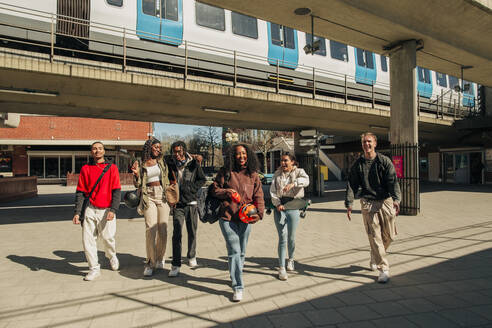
[404, 122]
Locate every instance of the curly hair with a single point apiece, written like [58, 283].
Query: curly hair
[230, 163]
[147, 149]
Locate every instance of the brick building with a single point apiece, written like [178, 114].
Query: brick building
[53, 148]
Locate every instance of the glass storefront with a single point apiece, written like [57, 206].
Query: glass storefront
[463, 167]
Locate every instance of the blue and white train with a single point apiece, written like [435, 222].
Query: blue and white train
[160, 30]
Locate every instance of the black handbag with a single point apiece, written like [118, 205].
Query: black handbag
[86, 199]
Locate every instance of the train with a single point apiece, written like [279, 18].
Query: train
[220, 42]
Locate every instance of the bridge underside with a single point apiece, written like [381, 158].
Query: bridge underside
[30, 85]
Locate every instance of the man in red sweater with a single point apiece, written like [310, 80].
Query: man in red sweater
[99, 219]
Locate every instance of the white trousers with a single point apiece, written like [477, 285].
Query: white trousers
[95, 225]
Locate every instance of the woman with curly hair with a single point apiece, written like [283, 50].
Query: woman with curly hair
[151, 177]
[239, 175]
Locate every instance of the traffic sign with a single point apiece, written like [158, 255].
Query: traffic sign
[327, 147]
[307, 142]
[308, 133]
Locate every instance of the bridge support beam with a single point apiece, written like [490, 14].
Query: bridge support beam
[404, 122]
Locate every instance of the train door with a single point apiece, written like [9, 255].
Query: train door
[468, 94]
[424, 82]
[160, 20]
[282, 46]
[365, 69]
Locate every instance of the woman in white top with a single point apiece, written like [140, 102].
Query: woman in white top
[288, 183]
[151, 179]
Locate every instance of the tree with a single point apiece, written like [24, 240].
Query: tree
[264, 141]
[211, 138]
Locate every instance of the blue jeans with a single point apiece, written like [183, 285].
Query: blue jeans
[286, 223]
[236, 237]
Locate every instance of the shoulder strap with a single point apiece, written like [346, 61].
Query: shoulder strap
[99, 179]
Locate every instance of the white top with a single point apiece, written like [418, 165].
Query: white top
[280, 179]
[153, 173]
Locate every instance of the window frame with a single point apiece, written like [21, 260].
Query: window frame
[384, 67]
[439, 80]
[336, 43]
[322, 51]
[112, 3]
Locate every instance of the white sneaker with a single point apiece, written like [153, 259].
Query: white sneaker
[93, 274]
[383, 276]
[174, 271]
[192, 262]
[115, 264]
[238, 295]
[160, 264]
[282, 274]
[373, 266]
[290, 265]
[148, 271]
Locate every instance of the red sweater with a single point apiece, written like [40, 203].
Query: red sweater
[102, 195]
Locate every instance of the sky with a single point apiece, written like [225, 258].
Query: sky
[175, 129]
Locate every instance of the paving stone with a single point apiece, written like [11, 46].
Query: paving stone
[324, 317]
[287, 320]
[399, 322]
[430, 320]
[464, 317]
[358, 312]
[483, 310]
[387, 309]
[419, 305]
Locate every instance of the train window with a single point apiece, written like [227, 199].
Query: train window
[423, 74]
[210, 16]
[441, 79]
[117, 3]
[276, 34]
[322, 44]
[364, 58]
[244, 25]
[289, 38]
[338, 50]
[150, 7]
[369, 59]
[360, 58]
[384, 64]
[169, 9]
[453, 82]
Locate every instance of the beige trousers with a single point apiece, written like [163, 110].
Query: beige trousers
[95, 225]
[379, 220]
[156, 220]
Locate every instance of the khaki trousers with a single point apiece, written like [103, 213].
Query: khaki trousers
[95, 225]
[156, 220]
[379, 220]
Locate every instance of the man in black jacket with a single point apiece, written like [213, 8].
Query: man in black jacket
[190, 179]
[380, 199]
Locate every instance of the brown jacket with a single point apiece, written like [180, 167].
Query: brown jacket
[248, 187]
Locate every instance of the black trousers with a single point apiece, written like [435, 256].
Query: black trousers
[188, 214]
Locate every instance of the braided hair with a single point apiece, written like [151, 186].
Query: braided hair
[147, 149]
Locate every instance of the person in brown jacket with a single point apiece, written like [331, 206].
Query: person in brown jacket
[239, 174]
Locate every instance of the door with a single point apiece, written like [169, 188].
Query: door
[365, 69]
[282, 46]
[160, 20]
[424, 82]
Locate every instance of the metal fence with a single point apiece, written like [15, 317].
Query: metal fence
[408, 154]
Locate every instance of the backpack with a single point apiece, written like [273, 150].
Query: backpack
[209, 206]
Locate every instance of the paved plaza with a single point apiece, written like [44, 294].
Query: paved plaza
[441, 267]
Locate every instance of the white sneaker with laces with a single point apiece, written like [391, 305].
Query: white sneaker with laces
[373, 266]
[238, 295]
[282, 274]
[93, 274]
[174, 271]
[383, 276]
[290, 265]
[115, 264]
[148, 271]
[160, 264]
[192, 262]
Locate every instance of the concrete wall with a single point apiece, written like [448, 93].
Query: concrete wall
[18, 188]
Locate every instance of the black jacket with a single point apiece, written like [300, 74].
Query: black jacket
[193, 180]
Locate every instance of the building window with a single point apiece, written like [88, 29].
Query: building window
[5, 162]
[384, 64]
[65, 166]
[453, 82]
[36, 165]
[51, 167]
[210, 16]
[79, 162]
[169, 8]
[441, 79]
[150, 7]
[338, 50]
[116, 3]
[244, 25]
[321, 41]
